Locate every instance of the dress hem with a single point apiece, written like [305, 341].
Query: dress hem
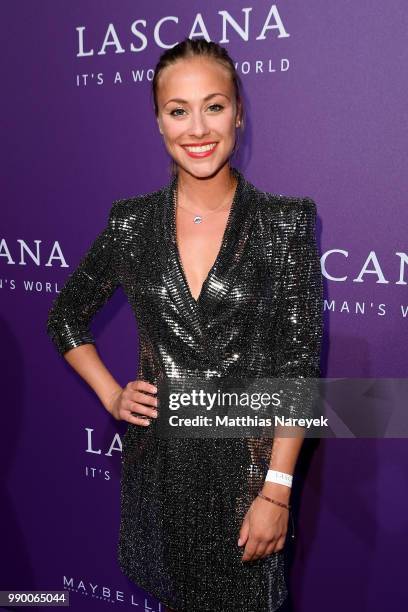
[140, 584]
[170, 604]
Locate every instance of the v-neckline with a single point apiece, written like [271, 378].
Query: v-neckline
[224, 241]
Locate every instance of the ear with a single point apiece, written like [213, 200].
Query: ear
[158, 123]
[238, 118]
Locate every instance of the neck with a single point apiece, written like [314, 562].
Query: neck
[205, 194]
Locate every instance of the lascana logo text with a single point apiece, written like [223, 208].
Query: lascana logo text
[167, 31]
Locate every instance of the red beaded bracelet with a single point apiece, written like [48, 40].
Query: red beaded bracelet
[274, 501]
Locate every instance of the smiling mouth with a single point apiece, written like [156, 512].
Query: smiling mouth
[200, 150]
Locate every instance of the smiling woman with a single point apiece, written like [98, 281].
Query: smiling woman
[225, 281]
[198, 106]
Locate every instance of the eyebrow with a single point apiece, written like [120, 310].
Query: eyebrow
[205, 99]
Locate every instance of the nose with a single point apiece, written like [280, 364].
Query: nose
[198, 126]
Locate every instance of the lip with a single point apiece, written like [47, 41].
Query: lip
[201, 144]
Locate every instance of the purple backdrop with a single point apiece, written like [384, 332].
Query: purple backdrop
[326, 100]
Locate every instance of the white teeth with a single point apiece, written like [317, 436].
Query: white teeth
[201, 149]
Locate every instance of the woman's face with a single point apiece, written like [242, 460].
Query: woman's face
[197, 106]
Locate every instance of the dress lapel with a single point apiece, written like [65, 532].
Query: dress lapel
[221, 276]
[174, 278]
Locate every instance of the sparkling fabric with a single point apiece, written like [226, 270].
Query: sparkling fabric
[259, 314]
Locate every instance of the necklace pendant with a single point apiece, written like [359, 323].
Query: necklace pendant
[197, 219]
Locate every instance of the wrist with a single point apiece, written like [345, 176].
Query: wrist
[111, 398]
[276, 490]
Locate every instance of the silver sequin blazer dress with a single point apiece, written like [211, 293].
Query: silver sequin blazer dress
[259, 314]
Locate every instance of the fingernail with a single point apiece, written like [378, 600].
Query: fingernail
[239, 542]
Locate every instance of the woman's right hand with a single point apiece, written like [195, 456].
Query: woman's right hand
[134, 398]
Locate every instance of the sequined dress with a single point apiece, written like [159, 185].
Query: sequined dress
[259, 314]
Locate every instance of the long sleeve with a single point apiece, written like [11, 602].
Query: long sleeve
[301, 313]
[86, 290]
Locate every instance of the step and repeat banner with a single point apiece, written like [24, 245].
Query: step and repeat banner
[326, 102]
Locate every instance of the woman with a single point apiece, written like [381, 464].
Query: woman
[224, 280]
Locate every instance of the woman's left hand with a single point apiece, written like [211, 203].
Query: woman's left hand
[263, 529]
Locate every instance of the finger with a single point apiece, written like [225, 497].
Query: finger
[135, 400]
[259, 548]
[142, 398]
[244, 533]
[249, 551]
[141, 409]
[142, 385]
[260, 551]
[279, 545]
[270, 549]
[137, 420]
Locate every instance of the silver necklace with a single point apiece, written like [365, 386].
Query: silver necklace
[196, 218]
